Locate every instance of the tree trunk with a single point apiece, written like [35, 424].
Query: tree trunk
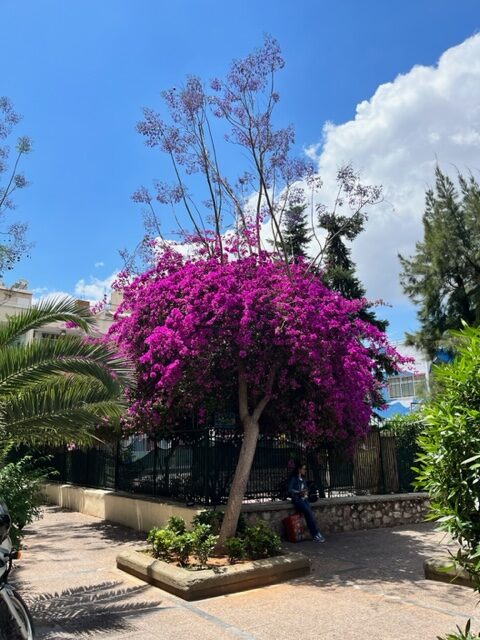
[239, 483]
[251, 429]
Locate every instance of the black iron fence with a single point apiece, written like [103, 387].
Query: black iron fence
[198, 466]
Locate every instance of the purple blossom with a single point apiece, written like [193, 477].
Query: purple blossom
[189, 323]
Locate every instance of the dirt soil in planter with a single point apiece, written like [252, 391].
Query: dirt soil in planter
[193, 565]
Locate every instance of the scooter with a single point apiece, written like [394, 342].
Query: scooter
[15, 620]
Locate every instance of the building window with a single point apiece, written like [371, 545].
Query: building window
[406, 386]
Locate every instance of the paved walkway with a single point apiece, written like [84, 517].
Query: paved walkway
[366, 585]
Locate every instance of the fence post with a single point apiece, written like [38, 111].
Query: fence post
[206, 491]
[87, 465]
[155, 453]
[382, 462]
[64, 457]
[116, 464]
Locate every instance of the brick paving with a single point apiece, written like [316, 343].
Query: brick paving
[365, 585]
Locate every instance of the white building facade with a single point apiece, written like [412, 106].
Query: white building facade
[405, 391]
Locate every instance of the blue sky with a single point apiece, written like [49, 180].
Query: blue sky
[80, 73]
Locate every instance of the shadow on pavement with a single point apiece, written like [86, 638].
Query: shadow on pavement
[97, 530]
[375, 556]
[88, 610]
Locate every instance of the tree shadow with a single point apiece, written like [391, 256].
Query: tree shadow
[384, 562]
[88, 611]
[114, 533]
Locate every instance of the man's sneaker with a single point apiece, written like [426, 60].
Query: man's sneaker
[319, 538]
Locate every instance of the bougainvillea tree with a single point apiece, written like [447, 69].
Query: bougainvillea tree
[228, 323]
[203, 330]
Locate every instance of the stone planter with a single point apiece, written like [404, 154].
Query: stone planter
[445, 571]
[207, 583]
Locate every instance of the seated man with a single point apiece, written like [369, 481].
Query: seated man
[297, 490]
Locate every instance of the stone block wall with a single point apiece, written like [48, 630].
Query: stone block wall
[348, 513]
[333, 514]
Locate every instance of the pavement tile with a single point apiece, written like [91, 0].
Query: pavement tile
[365, 585]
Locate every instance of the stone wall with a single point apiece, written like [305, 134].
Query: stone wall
[348, 513]
[333, 514]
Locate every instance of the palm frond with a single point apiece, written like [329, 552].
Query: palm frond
[22, 366]
[57, 309]
[57, 391]
[64, 409]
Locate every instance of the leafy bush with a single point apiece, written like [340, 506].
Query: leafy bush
[203, 543]
[162, 541]
[211, 518]
[214, 519]
[177, 524]
[174, 542]
[449, 465]
[261, 542]
[182, 547]
[461, 635]
[20, 490]
[235, 549]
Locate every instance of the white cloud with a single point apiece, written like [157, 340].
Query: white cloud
[99, 264]
[95, 289]
[428, 115]
[39, 291]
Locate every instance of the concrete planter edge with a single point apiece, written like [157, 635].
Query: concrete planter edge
[445, 571]
[208, 583]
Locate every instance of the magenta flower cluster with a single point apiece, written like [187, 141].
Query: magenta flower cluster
[191, 326]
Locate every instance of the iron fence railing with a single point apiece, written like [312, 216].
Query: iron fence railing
[198, 466]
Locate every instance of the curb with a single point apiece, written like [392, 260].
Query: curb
[208, 583]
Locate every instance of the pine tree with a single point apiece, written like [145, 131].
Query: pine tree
[339, 270]
[295, 231]
[443, 277]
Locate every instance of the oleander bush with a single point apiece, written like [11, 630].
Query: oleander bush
[449, 462]
[460, 634]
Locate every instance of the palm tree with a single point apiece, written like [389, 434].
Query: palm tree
[56, 391]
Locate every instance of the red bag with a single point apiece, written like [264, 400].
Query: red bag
[295, 528]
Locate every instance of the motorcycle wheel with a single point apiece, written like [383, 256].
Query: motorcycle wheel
[8, 627]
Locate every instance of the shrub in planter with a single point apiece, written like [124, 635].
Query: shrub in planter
[261, 542]
[162, 541]
[177, 524]
[214, 519]
[174, 542]
[203, 543]
[182, 547]
[211, 518]
[235, 548]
